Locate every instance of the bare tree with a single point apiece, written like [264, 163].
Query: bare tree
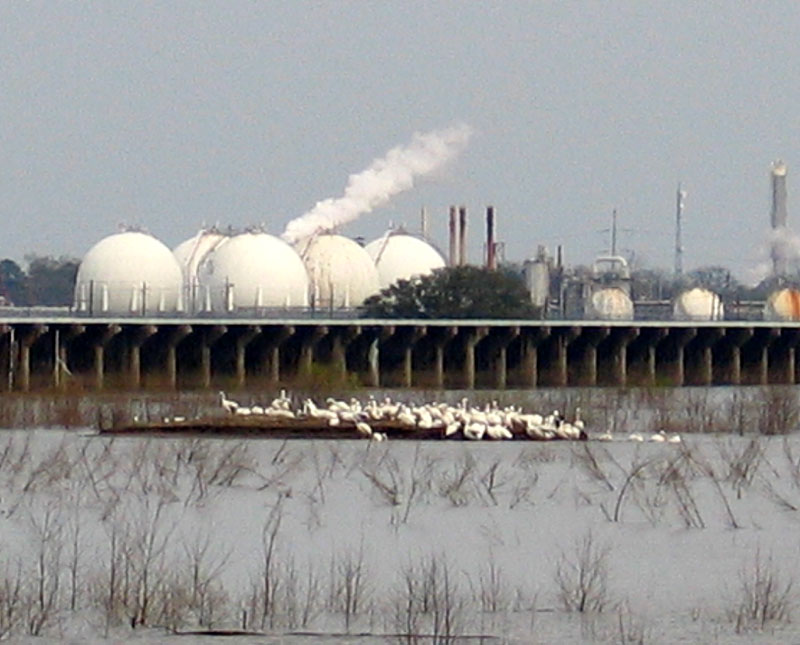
[764, 598]
[582, 576]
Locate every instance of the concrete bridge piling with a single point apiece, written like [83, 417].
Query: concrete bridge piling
[97, 354]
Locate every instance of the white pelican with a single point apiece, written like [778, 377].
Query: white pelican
[364, 429]
[658, 437]
[474, 431]
[674, 438]
[228, 405]
[494, 431]
[636, 436]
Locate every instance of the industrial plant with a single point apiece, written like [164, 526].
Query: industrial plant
[251, 273]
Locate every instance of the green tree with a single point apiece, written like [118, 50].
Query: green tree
[12, 282]
[455, 292]
[51, 281]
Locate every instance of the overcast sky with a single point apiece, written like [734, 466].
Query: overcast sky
[171, 115]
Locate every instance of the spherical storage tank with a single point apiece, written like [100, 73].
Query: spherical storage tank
[398, 256]
[341, 272]
[698, 304]
[611, 304]
[189, 254]
[252, 270]
[129, 273]
[783, 304]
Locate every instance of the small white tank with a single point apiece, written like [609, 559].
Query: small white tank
[783, 305]
[698, 304]
[610, 304]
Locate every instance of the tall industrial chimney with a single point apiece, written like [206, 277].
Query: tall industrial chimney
[491, 247]
[680, 196]
[778, 215]
[423, 223]
[462, 235]
[454, 255]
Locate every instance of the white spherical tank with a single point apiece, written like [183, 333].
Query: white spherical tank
[698, 304]
[189, 254]
[783, 304]
[611, 304]
[400, 257]
[129, 273]
[250, 271]
[341, 272]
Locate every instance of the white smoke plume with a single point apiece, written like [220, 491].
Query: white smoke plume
[385, 178]
[780, 253]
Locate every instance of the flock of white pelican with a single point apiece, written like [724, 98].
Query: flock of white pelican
[461, 421]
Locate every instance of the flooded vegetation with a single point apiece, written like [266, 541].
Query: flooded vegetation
[406, 541]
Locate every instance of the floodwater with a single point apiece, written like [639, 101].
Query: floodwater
[413, 542]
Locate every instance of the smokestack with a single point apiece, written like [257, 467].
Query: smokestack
[778, 215]
[453, 236]
[491, 257]
[423, 224]
[680, 196]
[462, 235]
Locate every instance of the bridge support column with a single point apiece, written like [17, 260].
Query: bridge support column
[341, 337]
[613, 356]
[728, 356]
[499, 339]
[471, 338]
[698, 356]
[244, 338]
[440, 337]
[672, 358]
[531, 340]
[99, 351]
[641, 356]
[755, 356]
[210, 335]
[584, 348]
[272, 352]
[26, 338]
[311, 337]
[173, 339]
[782, 355]
[138, 337]
[62, 339]
[7, 358]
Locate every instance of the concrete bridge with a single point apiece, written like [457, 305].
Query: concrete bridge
[66, 351]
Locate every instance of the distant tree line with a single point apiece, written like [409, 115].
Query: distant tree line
[47, 282]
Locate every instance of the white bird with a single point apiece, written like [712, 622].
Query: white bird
[228, 405]
[243, 411]
[606, 436]
[636, 436]
[578, 422]
[474, 431]
[364, 429]
[674, 438]
[452, 428]
[658, 437]
[497, 432]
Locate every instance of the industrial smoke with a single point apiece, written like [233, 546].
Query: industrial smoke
[385, 178]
